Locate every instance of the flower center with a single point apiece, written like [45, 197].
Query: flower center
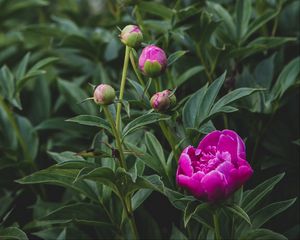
[208, 160]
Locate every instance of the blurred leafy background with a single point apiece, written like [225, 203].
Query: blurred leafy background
[51, 50]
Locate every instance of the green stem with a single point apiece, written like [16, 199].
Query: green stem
[127, 201]
[207, 72]
[217, 227]
[123, 81]
[116, 135]
[135, 69]
[156, 84]
[225, 119]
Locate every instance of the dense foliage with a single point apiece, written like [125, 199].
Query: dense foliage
[231, 64]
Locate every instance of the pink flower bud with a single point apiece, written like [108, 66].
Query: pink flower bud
[104, 94]
[131, 36]
[153, 61]
[162, 101]
[216, 168]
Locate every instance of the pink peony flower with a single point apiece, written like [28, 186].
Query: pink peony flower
[153, 61]
[216, 168]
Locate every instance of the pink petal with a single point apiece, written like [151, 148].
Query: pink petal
[214, 185]
[210, 139]
[185, 165]
[192, 184]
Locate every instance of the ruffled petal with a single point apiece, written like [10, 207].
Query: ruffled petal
[214, 185]
[185, 165]
[209, 140]
[192, 184]
[241, 148]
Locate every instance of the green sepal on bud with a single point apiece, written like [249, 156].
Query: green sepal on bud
[104, 94]
[152, 68]
[131, 36]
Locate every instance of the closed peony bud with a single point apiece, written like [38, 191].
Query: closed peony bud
[160, 101]
[104, 94]
[216, 168]
[153, 61]
[131, 36]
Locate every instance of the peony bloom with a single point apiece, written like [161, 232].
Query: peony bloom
[216, 168]
[104, 94]
[153, 61]
[161, 101]
[131, 36]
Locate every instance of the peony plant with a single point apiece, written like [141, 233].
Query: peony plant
[134, 167]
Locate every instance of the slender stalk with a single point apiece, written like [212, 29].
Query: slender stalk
[135, 69]
[123, 81]
[217, 227]
[225, 119]
[126, 201]
[156, 84]
[207, 72]
[116, 135]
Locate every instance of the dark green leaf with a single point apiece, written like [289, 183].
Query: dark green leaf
[156, 9]
[265, 214]
[258, 193]
[235, 209]
[90, 120]
[175, 56]
[142, 121]
[12, 233]
[262, 234]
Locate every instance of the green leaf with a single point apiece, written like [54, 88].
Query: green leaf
[73, 94]
[90, 120]
[175, 56]
[227, 26]
[187, 75]
[189, 113]
[209, 98]
[258, 193]
[65, 156]
[259, 22]
[259, 45]
[7, 83]
[102, 175]
[262, 234]
[263, 215]
[155, 148]
[79, 213]
[139, 197]
[230, 98]
[29, 136]
[62, 175]
[287, 78]
[297, 142]
[149, 160]
[22, 67]
[193, 208]
[243, 14]
[35, 71]
[12, 233]
[156, 9]
[176, 234]
[142, 121]
[235, 209]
